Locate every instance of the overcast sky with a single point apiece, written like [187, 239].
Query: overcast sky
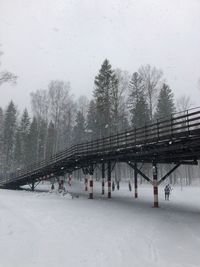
[69, 39]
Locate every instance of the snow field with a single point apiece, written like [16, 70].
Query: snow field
[49, 229]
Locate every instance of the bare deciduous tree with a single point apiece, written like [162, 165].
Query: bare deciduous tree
[183, 103]
[151, 77]
[6, 76]
[83, 105]
[119, 99]
[59, 103]
[40, 104]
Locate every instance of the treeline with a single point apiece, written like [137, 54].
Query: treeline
[58, 120]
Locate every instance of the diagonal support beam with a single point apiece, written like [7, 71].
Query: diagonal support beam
[166, 175]
[140, 172]
[33, 185]
[36, 184]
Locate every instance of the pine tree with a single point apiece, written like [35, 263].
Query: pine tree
[22, 141]
[79, 129]
[137, 102]
[24, 131]
[91, 127]
[18, 149]
[33, 141]
[136, 89]
[9, 135]
[104, 82]
[140, 114]
[165, 106]
[164, 110]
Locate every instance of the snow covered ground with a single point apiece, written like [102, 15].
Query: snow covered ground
[48, 229]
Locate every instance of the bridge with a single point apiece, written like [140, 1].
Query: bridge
[174, 140]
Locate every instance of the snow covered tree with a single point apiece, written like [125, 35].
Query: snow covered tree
[136, 89]
[140, 113]
[33, 141]
[137, 103]
[18, 149]
[79, 129]
[9, 135]
[21, 148]
[164, 110]
[165, 105]
[105, 82]
[91, 123]
[24, 130]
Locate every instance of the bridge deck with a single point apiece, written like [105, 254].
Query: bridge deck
[172, 140]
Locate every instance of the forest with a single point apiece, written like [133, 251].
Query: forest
[56, 120]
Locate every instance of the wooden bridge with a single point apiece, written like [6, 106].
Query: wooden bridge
[174, 140]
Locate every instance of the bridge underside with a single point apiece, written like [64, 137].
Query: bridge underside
[172, 141]
[184, 151]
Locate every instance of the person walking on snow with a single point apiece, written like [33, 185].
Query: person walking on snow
[129, 186]
[113, 186]
[118, 185]
[167, 191]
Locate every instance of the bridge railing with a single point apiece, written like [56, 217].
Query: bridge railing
[177, 126]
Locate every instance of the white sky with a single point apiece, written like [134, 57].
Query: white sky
[69, 39]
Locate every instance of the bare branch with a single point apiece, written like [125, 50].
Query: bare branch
[6, 76]
[151, 77]
[183, 103]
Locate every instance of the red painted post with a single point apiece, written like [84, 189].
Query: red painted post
[109, 179]
[86, 183]
[91, 187]
[70, 180]
[155, 185]
[103, 179]
[135, 181]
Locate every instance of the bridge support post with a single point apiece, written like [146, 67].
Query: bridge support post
[109, 179]
[86, 183]
[135, 180]
[155, 185]
[91, 187]
[103, 179]
[32, 186]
